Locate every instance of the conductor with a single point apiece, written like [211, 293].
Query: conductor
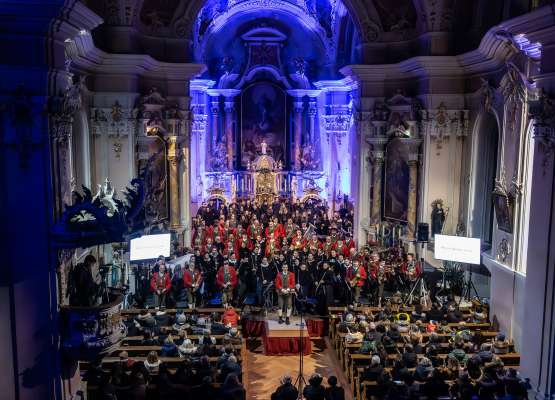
[285, 286]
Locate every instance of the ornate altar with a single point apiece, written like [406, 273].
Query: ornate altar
[265, 171]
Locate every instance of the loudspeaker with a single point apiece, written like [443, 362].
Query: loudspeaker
[422, 232]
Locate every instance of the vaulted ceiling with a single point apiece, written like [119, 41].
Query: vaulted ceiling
[391, 24]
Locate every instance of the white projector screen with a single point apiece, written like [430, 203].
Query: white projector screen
[457, 248]
[150, 246]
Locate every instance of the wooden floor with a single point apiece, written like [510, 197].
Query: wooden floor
[264, 372]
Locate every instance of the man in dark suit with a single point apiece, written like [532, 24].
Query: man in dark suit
[85, 289]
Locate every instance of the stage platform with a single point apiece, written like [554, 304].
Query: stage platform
[282, 339]
[275, 329]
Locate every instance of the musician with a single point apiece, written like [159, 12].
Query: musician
[356, 276]
[226, 279]
[305, 280]
[160, 285]
[266, 277]
[285, 287]
[411, 269]
[314, 244]
[192, 280]
[324, 289]
[247, 277]
[272, 247]
[256, 256]
[216, 257]
[311, 263]
[373, 271]
[382, 277]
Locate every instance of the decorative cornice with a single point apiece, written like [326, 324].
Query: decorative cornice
[535, 28]
[88, 59]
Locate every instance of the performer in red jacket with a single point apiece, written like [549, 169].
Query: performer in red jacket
[356, 276]
[285, 286]
[192, 280]
[160, 284]
[226, 279]
[411, 269]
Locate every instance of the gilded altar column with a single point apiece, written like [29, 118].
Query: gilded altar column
[298, 120]
[185, 193]
[173, 172]
[413, 147]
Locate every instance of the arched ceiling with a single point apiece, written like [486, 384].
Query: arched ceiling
[381, 23]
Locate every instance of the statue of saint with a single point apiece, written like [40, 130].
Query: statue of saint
[263, 147]
[438, 217]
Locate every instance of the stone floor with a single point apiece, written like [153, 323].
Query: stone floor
[264, 372]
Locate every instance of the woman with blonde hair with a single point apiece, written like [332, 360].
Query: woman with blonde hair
[152, 362]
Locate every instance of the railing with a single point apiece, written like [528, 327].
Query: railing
[88, 332]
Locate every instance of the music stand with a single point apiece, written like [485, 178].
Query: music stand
[300, 381]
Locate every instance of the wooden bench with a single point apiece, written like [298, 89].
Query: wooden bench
[138, 350]
[134, 311]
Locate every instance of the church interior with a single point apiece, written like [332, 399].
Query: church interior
[277, 199]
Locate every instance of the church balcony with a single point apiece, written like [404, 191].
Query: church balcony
[90, 332]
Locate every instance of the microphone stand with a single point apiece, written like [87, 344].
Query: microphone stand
[300, 381]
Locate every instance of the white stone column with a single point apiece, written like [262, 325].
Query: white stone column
[297, 129]
[229, 109]
[215, 111]
[312, 109]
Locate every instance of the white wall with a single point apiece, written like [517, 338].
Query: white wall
[506, 298]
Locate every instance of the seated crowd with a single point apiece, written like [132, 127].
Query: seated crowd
[430, 354]
[196, 356]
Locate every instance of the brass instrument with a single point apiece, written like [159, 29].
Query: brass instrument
[353, 282]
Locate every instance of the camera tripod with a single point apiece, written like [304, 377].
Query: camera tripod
[418, 290]
[468, 288]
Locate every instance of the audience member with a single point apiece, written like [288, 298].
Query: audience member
[286, 391]
[314, 390]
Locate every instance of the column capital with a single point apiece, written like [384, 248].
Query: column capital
[298, 106]
[377, 156]
[214, 106]
[312, 108]
[377, 143]
[413, 160]
[229, 106]
[413, 145]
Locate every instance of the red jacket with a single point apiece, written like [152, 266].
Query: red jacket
[188, 278]
[351, 274]
[417, 269]
[230, 317]
[374, 268]
[165, 283]
[232, 277]
[290, 279]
